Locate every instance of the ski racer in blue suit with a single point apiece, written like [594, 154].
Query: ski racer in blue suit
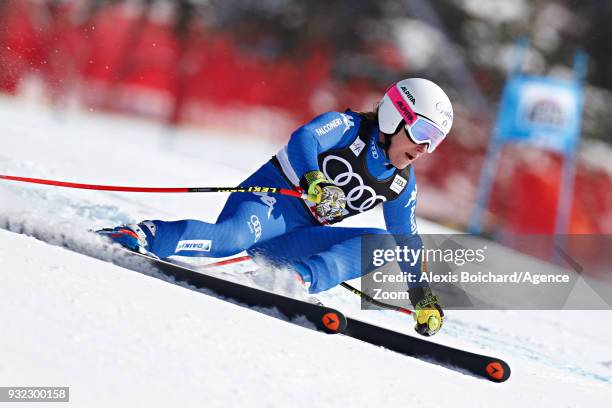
[347, 162]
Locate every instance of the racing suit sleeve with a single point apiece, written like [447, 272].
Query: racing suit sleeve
[325, 132]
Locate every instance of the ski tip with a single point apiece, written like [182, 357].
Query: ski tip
[498, 371]
[333, 322]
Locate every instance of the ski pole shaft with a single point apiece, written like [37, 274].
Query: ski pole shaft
[252, 189]
[230, 261]
[375, 302]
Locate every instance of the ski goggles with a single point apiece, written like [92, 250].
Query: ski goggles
[423, 131]
[418, 129]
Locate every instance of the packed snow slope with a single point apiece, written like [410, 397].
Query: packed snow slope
[121, 338]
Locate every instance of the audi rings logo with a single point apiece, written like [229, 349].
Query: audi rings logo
[356, 193]
[255, 227]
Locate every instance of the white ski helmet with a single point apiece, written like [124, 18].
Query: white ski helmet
[421, 107]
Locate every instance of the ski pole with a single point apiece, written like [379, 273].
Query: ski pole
[375, 302]
[251, 189]
[229, 261]
[353, 289]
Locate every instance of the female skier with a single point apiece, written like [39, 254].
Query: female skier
[347, 163]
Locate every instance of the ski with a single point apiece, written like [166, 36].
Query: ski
[490, 368]
[323, 318]
[479, 365]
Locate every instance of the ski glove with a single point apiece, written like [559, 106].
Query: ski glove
[330, 198]
[428, 313]
[135, 237]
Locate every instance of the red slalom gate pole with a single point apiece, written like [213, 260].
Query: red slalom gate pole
[252, 189]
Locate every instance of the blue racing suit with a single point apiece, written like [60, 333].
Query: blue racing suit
[286, 230]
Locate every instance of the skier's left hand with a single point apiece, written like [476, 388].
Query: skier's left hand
[428, 314]
[135, 237]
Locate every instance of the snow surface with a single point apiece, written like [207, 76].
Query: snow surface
[121, 338]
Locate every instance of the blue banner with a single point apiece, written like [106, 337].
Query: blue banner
[540, 111]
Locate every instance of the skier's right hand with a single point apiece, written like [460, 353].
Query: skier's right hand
[428, 313]
[330, 198]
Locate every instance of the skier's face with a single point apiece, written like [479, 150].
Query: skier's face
[404, 151]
